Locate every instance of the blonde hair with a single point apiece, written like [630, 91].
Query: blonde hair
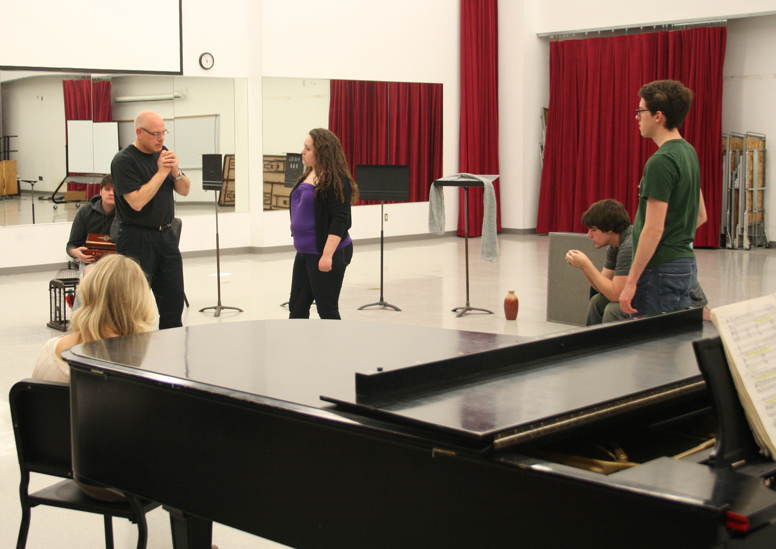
[116, 300]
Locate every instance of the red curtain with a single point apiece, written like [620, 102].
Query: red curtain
[103, 111]
[479, 105]
[390, 123]
[416, 133]
[593, 148]
[87, 100]
[78, 99]
[358, 115]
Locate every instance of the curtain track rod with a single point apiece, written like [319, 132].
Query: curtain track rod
[634, 29]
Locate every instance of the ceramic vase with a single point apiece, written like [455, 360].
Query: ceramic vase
[511, 305]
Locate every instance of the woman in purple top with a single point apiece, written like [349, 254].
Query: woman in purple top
[320, 219]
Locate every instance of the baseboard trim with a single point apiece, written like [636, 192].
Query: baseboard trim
[212, 252]
[25, 269]
[257, 250]
[519, 231]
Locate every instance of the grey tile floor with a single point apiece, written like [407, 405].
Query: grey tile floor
[425, 278]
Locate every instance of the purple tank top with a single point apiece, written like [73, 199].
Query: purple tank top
[303, 220]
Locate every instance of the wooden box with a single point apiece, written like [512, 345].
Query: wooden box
[228, 193]
[274, 168]
[75, 196]
[99, 245]
[274, 164]
[8, 183]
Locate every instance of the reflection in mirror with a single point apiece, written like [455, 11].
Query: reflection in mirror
[34, 111]
[378, 123]
[205, 116]
[34, 115]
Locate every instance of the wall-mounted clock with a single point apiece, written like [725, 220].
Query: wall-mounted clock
[206, 61]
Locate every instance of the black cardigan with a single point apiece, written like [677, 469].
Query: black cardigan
[332, 216]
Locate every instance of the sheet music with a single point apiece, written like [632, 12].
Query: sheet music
[748, 332]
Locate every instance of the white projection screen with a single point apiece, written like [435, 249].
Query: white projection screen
[143, 36]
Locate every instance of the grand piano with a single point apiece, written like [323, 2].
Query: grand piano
[342, 434]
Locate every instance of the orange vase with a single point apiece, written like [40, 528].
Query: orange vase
[511, 305]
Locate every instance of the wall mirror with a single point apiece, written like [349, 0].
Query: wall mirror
[203, 115]
[377, 122]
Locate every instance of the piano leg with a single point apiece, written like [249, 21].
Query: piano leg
[189, 531]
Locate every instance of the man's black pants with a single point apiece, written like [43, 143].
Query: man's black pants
[158, 254]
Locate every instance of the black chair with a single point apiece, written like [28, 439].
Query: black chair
[176, 226]
[40, 411]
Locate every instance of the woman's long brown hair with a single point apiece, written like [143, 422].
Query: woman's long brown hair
[330, 165]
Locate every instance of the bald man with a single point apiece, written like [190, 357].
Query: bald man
[145, 174]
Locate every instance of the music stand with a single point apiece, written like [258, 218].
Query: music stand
[32, 191]
[212, 180]
[382, 182]
[465, 180]
[294, 170]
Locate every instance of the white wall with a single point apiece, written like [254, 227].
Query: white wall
[523, 91]
[748, 103]
[142, 85]
[225, 30]
[291, 108]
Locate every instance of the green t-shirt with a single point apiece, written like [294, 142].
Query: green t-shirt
[671, 175]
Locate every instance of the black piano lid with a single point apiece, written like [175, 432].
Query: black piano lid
[536, 388]
[515, 398]
[289, 360]
[480, 388]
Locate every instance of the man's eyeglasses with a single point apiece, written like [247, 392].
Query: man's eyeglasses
[156, 135]
[639, 111]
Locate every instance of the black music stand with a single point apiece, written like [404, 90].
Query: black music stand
[212, 180]
[383, 182]
[465, 180]
[32, 190]
[294, 170]
[735, 442]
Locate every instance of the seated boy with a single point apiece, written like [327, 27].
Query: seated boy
[96, 217]
[609, 225]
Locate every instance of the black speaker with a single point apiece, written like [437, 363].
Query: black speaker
[383, 182]
[294, 169]
[212, 172]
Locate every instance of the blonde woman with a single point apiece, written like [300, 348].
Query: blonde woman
[116, 300]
